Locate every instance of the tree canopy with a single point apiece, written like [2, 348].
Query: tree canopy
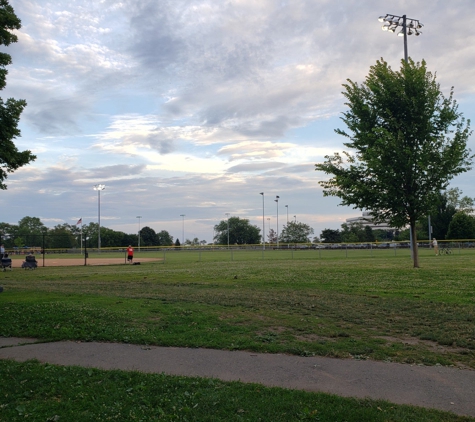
[11, 158]
[406, 141]
[241, 232]
[295, 232]
[462, 226]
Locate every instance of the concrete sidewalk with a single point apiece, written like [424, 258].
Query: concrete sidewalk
[437, 387]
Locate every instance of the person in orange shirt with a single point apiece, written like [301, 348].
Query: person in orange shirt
[130, 254]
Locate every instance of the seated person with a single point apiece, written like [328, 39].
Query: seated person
[29, 262]
[6, 262]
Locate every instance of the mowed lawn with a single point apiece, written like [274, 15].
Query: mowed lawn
[345, 304]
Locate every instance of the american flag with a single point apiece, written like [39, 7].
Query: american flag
[79, 221]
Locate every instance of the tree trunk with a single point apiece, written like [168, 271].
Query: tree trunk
[415, 252]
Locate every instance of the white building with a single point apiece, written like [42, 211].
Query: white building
[367, 220]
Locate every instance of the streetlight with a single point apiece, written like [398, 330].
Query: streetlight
[263, 224]
[227, 214]
[139, 217]
[295, 218]
[277, 201]
[99, 188]
[409, 27]
[183, 230]
[287, 213]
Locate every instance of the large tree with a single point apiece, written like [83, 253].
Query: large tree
[241, 232]
[406, 142]
[148, 237]
[10, 158]
[295, 232]
[164, 238]
[462, 226]
[331, 236]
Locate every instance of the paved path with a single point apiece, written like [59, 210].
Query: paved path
[438, 387]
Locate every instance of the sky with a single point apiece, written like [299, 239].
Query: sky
[187, 110]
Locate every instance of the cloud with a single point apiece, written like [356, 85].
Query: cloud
[194, 107]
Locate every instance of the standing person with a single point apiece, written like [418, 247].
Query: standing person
[436, 246]
[2, 251]
[130, 254]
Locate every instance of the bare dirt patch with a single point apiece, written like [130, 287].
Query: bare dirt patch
[69, 262]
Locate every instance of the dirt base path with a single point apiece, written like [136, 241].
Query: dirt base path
[68, 262]
[437, 387]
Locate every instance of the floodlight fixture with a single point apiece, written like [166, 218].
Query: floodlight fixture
[408, 26]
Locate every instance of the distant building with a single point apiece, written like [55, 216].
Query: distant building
[367, 220]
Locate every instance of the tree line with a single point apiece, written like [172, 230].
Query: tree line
[453, 219]
[31, 232]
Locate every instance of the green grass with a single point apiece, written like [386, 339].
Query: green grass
[35, 392]
[375, 308]
[315, 303]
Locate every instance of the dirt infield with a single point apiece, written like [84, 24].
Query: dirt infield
[70, 262]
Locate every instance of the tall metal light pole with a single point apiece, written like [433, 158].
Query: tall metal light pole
[268, 219]
[277, 200]
[139, 217]
[287, 213]
[183, 229]
[263, 224]
[409, 26]
[227, 214]
[99, 188]
[295, 218]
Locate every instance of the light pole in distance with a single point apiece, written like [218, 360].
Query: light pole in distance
[287, 213]
[139, 217]
[183, 230]
[263, 224]
[227, 214]
[99, 188]
[268, 219]
[277, 201]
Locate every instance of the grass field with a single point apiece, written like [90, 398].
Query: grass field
[349, 304]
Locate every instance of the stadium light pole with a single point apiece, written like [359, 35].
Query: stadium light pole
[287, 213]
[183, 230]
[268, 219]
[409, 26]
[263, 224]
[277, 201]
[227, 214]
[99, 188]
[139, 217]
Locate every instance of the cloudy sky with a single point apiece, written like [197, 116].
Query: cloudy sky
[194, 107]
